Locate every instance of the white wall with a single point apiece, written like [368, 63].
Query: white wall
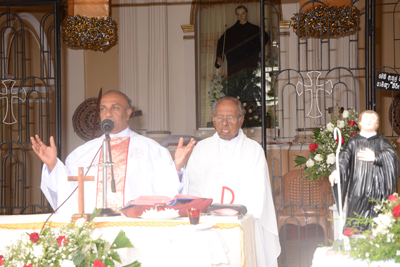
[73, 94]
[182, 94]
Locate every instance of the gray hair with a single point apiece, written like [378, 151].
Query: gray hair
[234, 99]
[129, 105]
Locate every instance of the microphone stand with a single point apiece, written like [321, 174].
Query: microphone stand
[107, 212]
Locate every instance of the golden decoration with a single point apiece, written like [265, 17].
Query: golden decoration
[95, 34]
[326, 19]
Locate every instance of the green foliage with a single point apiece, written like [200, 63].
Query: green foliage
[246, 86]
[383, 241]
[121, 241]
[300, 160]
[133, 264]
[76, 244]
[96, 212]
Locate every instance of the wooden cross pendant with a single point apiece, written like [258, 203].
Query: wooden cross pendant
[81, 203]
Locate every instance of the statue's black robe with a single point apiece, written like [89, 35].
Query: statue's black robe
[363, 180]
[242, 47]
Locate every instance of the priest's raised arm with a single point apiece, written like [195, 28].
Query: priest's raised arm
[141, 165]
[368, 169]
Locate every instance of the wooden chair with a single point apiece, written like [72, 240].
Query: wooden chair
[300, 200]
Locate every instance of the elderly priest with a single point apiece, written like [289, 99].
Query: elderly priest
[231, 159]
[141, 165]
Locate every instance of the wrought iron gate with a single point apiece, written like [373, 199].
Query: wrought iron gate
[30, 98]
[306, 91]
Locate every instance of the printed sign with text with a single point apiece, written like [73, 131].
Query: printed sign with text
[388, 81]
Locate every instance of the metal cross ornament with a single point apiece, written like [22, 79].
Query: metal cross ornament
[318, 87]
[10, 100]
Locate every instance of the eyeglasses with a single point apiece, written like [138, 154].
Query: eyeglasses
[220, 119]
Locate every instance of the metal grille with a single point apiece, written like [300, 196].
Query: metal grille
[29, 98]
[302, 207]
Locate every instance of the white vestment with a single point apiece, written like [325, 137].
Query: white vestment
[244, 170]
[150, 171]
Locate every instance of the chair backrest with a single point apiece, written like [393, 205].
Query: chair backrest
[313, 197]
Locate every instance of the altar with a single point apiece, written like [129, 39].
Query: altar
[216, 241]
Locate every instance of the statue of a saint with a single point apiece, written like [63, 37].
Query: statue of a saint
[369, 168]
[242, 45]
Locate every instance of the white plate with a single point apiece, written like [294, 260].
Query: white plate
[158, 218]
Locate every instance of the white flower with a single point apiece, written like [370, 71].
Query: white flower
[318, 157]
[310, 163]
[377, 245]
[250, 119]
[367, 254]
[340, 124]
[244, 104]
[67, 263]
[80, 222]
[96, 234]
[345, 114]
[38, 251]
[398, 253]
[255, 117]
[384, 220]
[330, 126]
[331, 158]
[250, 111]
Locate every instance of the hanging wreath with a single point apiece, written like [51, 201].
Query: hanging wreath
[89, 33]
[342, 20]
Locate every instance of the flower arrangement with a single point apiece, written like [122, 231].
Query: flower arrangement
[216, 87]
[323, 148]
[252, 113]
[78, 243]
[382, 242]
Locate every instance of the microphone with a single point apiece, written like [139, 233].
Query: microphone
[107, 126]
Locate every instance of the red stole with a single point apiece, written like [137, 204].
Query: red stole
[119, 152]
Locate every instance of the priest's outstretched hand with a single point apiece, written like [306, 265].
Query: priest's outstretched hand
[48, 154]
[182, 153]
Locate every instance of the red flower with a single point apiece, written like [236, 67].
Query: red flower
[348, 232]
[251, 106]
[353, 134]
[337, 140]
[29, 265]
[2, 260]
[98, 263]
[61, 240]
[352, 123]
[393, 198]
[244, 108]
[396, 211]
[313, 147]
[34, 237]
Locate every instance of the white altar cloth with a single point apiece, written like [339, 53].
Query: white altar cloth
[322, 260]
[230, 242]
